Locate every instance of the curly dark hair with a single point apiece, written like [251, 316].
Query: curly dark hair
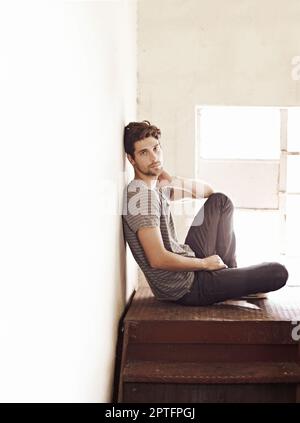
[136, 131]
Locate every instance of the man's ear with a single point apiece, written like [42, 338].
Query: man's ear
[129, 157]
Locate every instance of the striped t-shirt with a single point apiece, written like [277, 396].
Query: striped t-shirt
[145, 207]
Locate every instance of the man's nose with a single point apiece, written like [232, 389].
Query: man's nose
[154, 155]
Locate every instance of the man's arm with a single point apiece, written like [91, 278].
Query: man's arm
[189, 188]
[184, 187]
[160, 258]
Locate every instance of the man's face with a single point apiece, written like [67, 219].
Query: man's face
[148, 157]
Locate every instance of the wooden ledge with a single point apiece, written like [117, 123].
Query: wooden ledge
[211, 373]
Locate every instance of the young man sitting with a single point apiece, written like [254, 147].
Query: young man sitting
[203, 270]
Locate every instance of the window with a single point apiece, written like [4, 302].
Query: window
[253, 154]
[240, 133]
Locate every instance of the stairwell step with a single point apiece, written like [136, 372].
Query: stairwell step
[211, 373]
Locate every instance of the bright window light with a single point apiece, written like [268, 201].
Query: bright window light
[292, 225]
[293, 174]
[239, 133]
[253, 133]
[294, 129]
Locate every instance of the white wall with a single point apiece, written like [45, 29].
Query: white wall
[68, 85]
[190, 52]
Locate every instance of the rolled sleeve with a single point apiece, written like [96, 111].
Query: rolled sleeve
[143, 210]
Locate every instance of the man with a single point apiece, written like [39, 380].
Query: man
[203, 270]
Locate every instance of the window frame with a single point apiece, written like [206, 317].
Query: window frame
[282, 190]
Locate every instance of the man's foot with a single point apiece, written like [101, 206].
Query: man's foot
[256, 296]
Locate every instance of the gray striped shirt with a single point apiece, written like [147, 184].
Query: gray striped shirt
[145, 207]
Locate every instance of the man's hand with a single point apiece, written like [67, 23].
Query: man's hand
[164, 179]
[213, 263]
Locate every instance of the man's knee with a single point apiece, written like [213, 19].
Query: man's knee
[222, 198]
[280, 274]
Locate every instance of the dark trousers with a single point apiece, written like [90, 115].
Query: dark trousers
[212, 233]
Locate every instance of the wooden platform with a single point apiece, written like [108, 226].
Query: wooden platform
[221, 353]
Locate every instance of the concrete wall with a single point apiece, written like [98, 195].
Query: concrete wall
[68, 86]
[237, 52]
[211, 52]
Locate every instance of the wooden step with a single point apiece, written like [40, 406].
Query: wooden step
[208, 373]
[173, 353]
[160, 382]
[200, 352]
[150, 321]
